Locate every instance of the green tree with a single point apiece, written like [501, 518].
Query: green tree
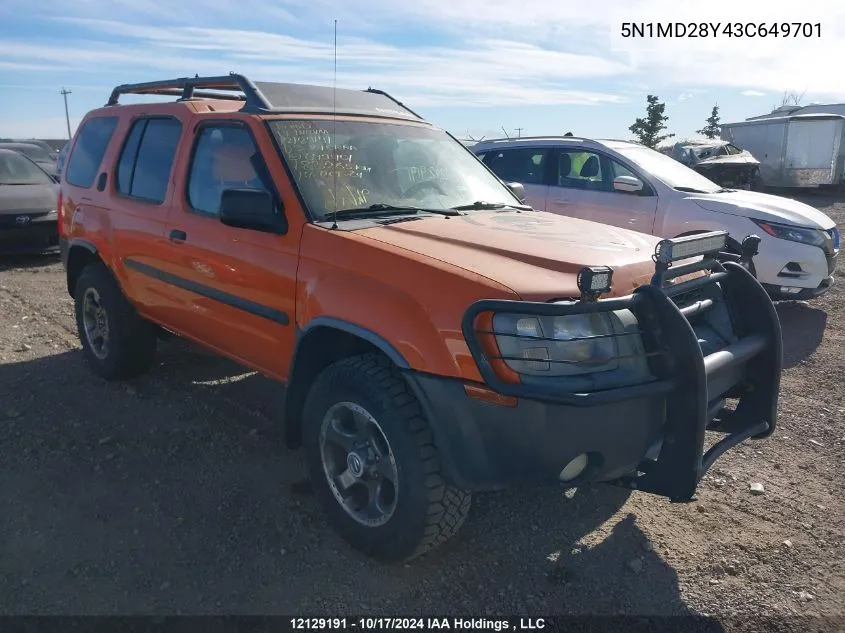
[712, 129]
[648, 130]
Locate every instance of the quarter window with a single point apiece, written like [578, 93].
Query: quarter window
[88, 151]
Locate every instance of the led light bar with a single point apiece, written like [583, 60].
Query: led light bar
[675, 249]
[594, 280]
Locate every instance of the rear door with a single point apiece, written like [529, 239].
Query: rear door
[142, 191]
[526, 165]
[584, 189]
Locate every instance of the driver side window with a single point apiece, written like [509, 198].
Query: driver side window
[578, 169]
[225, 157]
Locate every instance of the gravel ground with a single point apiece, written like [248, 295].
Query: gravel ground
[172, 494]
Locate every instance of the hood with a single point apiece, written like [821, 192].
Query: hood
[763, 206]
[16, 199]
[535, 254]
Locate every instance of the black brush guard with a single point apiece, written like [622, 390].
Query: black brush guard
[689, 380]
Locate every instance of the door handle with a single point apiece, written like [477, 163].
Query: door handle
[178, 236]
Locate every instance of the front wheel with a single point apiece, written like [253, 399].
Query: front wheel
[373, 462]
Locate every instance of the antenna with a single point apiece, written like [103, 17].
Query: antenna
[507, 136]
[334, 132]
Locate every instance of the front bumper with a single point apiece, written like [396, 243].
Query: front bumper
[649, 436]
[777, 293]
[38, 234]
[807, 270]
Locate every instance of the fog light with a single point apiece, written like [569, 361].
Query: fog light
[789, 290]
[574, 468]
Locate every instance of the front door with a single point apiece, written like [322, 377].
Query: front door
[235, 287]
[584, 189]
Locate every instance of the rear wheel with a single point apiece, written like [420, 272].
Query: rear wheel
[373, 462]
[117, 342]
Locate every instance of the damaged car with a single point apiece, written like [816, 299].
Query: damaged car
[720, 161]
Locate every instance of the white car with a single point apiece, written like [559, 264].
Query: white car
[634, 187]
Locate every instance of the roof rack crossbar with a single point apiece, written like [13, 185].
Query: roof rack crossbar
[186, 87]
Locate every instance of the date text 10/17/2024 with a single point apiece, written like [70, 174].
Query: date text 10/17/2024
[416, 624]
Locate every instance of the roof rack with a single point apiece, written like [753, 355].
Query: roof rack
[270, 97]
[545, 137]
[185, 88]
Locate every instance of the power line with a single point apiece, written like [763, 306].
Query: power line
[65, 93]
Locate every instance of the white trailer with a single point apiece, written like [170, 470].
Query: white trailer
[799, 150]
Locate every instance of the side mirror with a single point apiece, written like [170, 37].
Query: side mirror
[250, 209]
[518, 190]
[627, 184]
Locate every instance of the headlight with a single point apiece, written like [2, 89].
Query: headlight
[812, 237]
[556, 346]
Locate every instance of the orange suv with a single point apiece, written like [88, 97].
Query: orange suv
[433, 335]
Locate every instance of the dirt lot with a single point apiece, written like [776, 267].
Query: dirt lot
[172, 494]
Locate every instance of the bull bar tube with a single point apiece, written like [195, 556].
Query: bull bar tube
[694, 385]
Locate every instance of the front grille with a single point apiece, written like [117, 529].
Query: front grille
[15, 220]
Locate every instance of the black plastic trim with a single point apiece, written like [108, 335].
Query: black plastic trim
[356, 330]
[235, 301]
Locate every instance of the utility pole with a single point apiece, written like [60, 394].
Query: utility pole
[518, 131]
[65, 93]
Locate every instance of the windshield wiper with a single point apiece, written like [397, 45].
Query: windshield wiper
[691, 190]
[389, 209]
[482, 205]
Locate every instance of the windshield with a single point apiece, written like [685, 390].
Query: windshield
[17, 170]
[33, 151]
[383, 164]
[667, 169]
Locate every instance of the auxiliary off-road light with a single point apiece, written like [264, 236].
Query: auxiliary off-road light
[594, 281]
[678, 248]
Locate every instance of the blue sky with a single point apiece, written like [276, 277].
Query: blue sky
[471, 66]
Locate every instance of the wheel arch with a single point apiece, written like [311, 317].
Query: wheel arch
[323, 341]
[81, 253]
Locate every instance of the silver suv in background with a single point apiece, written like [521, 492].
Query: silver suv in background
[628, 185]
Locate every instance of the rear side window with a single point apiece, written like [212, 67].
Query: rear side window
[146, 160]
[88, 152]
[523, 165]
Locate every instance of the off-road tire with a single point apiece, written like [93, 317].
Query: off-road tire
[132, 340]
[429, 510]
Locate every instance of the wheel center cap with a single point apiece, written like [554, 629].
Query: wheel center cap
[355, 464]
